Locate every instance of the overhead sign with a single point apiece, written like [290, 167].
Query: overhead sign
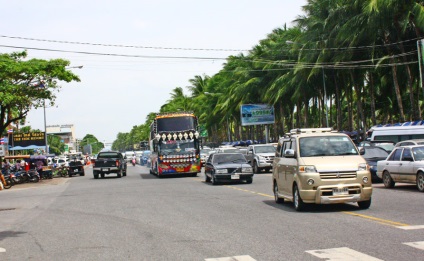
[28, 139]
[256, 114]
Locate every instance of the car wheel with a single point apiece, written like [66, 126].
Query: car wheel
[420, 181]
[96, 175]
[297, 200]
[213, 180]
[207, 179]
[102, 175]
[364, 204]
[276, 198]
[387, 180]
[119, 173]
[249, 181]
[255, 167]
[124, 173]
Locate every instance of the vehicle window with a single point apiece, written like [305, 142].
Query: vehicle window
[406, 154]
[265, 149]
[286, 146]
[417, 136]
[225, 158]
[326, 146]
[375, 153]
[396, 155]
[418, 153]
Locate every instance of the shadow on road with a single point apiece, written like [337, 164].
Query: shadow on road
[315, 208]
[6, 234]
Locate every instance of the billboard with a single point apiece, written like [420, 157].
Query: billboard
[28, 139]
[256, 114]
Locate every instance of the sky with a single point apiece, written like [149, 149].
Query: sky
[125, 48]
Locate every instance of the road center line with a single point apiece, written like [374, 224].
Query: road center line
[379, 220]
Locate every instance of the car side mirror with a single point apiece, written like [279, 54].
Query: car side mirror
[289, 153]
[361, 151]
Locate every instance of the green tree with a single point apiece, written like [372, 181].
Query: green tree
[27, 84]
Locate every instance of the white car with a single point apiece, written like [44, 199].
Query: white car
[404, 164]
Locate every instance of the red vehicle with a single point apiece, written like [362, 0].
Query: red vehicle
[175, 145]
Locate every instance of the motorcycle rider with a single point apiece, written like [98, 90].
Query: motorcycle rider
[133, 160]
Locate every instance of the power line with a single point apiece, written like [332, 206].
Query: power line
[124, 46]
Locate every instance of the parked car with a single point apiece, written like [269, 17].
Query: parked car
[405, 164]
[228, 167]
[373, 154]
[410, 142]
[322, 167]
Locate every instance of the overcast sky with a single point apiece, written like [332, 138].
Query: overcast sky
[118, 92]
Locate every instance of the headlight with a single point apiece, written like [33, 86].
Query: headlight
[247, 170]
[262, 158]
[363, 166]
[221, 171]
[308, 169]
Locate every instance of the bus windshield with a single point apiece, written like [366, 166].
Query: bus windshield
[176, 147]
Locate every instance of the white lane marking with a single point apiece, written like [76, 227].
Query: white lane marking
[342, 253]
[2, 250]
[233, 258]
[411, 227]
[419, 244]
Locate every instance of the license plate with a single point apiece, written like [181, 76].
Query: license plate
[340, 191]
[75, 170]
[105, 169]
[235, 176]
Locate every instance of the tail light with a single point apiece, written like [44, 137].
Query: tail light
[93, 162]
[117, 163]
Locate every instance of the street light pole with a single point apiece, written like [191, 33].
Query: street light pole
[45, 127]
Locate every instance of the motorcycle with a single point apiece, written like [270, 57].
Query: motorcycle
[133, 162]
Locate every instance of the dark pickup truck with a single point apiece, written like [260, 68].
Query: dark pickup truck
[109, 162]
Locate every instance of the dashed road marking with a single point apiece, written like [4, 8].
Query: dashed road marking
[341, 253]
[2, 250]
[411, 227]
[232, 258]
[419, 244]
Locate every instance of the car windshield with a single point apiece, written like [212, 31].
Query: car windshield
[418, 153]
[265, 149]
[175, 147]
[326, 146]
[386, 146]
[229, 158]
[375, 152]
[229, 150]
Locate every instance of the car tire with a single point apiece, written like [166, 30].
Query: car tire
[276, 198]
[364, 204]
[119, 173]
[249, 180]
[207, 179]
[297, 200]
[256, 169]
[124, 173]
[95, 174]
[420, 181]
[387, 180]
[102, 175]
[213, 180]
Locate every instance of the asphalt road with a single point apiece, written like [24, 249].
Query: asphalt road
[142, 217]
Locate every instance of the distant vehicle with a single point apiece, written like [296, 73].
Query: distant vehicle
[261, 157]
[397, 133]
[145, 157]
[174, 141]
[76, 167]
[109, 162]
[410, 142]
[228, 167]
[373, 154]
[404, 164]
[129, 155]
[204, 153]
[138, 155]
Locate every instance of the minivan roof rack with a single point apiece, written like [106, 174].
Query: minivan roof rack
[310, 130]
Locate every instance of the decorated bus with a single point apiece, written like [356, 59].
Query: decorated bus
[174, 144]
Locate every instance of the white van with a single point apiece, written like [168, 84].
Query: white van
[397, 133]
